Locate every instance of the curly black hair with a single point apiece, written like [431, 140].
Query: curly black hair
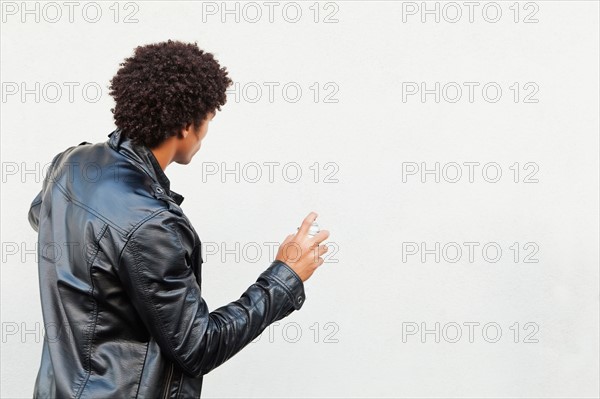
[164, 87]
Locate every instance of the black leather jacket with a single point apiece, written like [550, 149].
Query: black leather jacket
[120, 277]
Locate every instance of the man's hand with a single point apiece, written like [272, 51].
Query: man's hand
[302, 252]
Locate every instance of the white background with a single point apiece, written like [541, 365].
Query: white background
[365, 290]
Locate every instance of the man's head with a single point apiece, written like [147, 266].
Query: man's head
[166, 94]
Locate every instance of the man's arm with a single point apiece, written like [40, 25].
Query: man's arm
[155, 269]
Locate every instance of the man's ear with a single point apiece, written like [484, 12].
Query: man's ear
[185, 131]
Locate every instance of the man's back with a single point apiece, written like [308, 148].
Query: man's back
[120, 274]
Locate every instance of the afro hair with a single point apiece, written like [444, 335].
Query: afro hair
[163, 88]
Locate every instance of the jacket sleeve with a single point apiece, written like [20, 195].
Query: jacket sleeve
[155, 269]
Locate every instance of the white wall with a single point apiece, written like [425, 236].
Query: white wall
[372, 291]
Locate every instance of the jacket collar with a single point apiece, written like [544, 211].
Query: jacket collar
[142, 156]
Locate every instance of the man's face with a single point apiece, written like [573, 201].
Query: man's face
[191, 143]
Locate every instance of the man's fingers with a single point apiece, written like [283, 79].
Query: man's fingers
[321, 236]
[318, 252]
[323, 249]
[308, 221]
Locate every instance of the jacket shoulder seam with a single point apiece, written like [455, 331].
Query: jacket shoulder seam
[144, 220]
[129, 234]
[87, 208]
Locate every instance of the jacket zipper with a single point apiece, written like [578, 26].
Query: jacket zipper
[168, 383]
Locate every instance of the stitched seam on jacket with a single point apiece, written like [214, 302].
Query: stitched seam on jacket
[92, 327]
[141, 222]
[105, 219]
[132, 231]
[145, 294]
[137, 391]
[90, 210]
[178, 394]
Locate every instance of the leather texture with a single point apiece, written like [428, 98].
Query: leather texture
[120, 269]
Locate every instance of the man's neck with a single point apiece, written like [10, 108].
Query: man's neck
[164, 154]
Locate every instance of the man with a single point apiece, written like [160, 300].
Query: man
[120, 263]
